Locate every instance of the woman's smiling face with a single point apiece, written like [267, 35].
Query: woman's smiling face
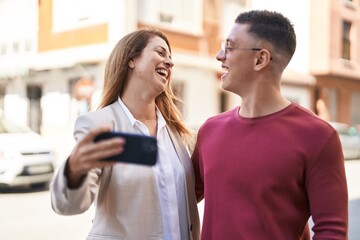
[153, 67]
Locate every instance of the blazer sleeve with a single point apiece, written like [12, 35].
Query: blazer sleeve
[66, 201]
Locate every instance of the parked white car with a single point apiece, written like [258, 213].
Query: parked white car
[26, 158]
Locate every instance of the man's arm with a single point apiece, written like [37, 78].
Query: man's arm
[327, 191]
[199, 184]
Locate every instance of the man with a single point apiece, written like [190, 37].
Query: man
[264, 168]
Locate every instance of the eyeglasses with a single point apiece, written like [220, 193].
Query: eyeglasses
[226, 48]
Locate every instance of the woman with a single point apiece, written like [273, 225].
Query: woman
[132, 201]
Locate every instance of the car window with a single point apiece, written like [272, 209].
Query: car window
[7, 126]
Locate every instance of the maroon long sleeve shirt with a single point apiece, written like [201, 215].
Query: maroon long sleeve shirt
[262, 178]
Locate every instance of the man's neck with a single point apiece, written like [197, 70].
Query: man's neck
[259, 108]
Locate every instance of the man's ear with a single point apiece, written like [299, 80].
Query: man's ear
[131, 63]
[263, 59]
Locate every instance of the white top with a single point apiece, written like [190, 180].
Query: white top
[169, 177]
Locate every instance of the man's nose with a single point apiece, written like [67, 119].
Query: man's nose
[220, 55]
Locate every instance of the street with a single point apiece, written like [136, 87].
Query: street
[27, 214]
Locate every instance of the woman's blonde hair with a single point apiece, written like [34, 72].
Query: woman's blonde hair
[116, 72]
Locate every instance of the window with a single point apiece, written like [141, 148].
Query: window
[346, 43]
[34, 94]
[28, 45]
[3, 50]
[72, 14]
[178, 89]
[354, 108]
[332, 97]
[18, 46]
[181, 15]
[167, 11]
[15, 47]
[2, 96]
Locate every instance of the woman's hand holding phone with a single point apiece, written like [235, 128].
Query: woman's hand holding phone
[88, 154]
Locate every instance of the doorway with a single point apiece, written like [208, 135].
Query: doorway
[34, 94]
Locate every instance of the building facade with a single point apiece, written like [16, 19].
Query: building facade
[335, 57]
[53, 55]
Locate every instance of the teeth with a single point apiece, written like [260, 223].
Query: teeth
[163, 72]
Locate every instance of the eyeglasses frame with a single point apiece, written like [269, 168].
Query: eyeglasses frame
[225, 48]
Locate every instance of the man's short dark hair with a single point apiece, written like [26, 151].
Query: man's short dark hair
[272, 27]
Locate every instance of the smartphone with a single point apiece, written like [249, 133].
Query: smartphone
[138, 149]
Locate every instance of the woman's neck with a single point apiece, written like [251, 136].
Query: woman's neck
[143, 111]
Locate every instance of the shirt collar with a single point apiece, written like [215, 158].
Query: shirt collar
[161, 120]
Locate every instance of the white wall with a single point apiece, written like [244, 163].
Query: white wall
[200, 94]
[201, 85]
[18, 27]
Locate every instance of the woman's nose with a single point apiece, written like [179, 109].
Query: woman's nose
[168, 62]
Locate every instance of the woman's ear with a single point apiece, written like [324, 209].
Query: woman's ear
[131, 63]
